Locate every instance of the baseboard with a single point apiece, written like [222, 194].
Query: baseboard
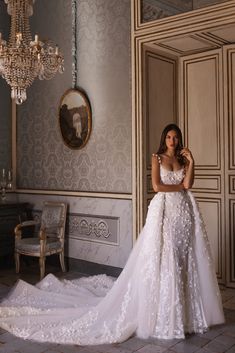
[91, 268]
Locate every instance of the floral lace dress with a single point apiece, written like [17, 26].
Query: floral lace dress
[167, 288]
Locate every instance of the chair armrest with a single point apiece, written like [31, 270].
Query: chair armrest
[28, 223]
[18, 231]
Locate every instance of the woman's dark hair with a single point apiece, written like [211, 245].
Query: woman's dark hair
[162, 147]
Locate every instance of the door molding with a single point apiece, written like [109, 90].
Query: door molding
[145, 33]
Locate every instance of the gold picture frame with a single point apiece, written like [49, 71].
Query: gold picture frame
[75, 118]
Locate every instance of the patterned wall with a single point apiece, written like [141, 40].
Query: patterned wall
[103, 56]
[5, 101]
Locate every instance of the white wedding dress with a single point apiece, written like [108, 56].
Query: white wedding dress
[167, 288]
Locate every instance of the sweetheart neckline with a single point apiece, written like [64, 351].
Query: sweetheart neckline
[171, 171]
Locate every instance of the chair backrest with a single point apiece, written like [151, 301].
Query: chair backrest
[54, 218]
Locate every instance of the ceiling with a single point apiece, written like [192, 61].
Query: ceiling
[197, 42]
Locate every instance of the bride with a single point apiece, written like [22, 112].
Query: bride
[167, 288]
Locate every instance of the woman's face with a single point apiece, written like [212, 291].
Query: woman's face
[172, 140]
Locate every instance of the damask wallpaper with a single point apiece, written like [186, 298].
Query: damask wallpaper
[5, 101]
[103, 59]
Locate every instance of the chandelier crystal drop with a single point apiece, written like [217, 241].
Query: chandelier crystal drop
[21, 59]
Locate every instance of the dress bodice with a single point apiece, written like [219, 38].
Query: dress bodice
[171, 177]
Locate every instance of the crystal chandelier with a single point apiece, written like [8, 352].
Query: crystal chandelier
[21, 59]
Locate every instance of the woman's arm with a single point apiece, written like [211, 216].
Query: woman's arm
[189, 169]
[156, 181]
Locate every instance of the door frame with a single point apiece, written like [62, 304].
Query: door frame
[144, 33]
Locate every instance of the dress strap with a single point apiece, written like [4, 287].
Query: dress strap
[158, 157]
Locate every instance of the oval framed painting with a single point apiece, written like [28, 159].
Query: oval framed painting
[75, 118]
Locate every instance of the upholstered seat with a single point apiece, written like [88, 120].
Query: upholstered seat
[49, 240]
[33, 244]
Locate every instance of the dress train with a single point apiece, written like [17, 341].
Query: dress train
[167, 288]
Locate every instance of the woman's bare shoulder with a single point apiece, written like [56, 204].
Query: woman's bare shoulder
[156, 156]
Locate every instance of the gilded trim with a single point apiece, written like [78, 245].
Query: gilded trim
[75, 193]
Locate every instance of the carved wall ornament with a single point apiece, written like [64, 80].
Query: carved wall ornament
[94, 228]
[99, 229]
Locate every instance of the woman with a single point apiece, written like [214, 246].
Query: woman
[167, 288]
[184, 269]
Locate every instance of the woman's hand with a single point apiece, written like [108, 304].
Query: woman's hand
[189, 168]
[186, 153]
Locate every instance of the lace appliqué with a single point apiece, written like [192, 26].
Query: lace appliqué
[167, 288]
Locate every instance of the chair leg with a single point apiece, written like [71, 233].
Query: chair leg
[42, 266]
[62, 261]
[17, 262]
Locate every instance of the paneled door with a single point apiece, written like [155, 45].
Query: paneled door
[160, 109]
[201, 118]
[229, 126]
[200, 95]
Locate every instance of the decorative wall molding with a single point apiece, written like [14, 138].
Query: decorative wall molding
[216, 239]
[170, 78]
[188, 44]
[229, 84]
[231, 242]
[92, 228]
[76, 194]
[192, 21]
[231, 184]
[231, 110]
[155, 10]
[159, 108]
[152, 10]
[207, 184]
[193, 95]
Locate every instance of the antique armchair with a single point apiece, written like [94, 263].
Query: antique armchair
[49, 239]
